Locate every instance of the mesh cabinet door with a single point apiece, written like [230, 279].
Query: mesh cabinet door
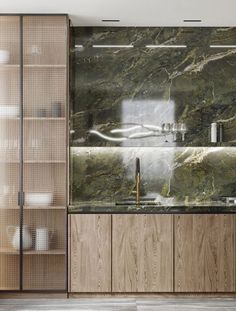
[9, 151]
[45, 96]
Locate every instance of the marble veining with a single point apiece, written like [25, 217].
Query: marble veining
[156, 103]
[116, 88]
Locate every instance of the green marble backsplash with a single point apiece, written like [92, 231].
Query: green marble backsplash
[167, 174]
[122, 96]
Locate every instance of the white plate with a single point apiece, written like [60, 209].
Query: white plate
[38, 198]
[4, 56]
[9, 111]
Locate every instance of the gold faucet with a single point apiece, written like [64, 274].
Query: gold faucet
[137, 181]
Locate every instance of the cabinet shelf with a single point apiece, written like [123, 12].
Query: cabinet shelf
[35, 162]
[44, 161]
[10, 251]
[50, 207]
[9, 288]
[33, 119]
[44, 66]
[10, 66]
[43, 119]
[36, 207]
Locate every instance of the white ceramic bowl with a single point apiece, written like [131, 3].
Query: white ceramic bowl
[9, 111]
[39, 198]
[4, 56]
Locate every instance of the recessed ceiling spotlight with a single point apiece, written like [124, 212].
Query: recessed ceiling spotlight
[111, 20]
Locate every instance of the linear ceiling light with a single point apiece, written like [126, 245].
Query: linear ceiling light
[112, 46]
[223, 46]
[166, 46]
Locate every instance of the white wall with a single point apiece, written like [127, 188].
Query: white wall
[132, 12]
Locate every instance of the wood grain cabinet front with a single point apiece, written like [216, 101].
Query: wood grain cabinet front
[205, 253]
[90, 253]
[153, 253]
[142, 253]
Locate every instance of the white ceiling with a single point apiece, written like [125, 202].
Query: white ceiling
[132, 12]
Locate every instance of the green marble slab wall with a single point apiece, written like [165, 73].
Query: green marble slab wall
[169, 175]
[153, 93]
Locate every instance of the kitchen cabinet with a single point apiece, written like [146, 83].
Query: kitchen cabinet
[90, 258]
[121, 253]
[142, 253]
[9, 150]
[33, 151]
[205, 253]
[135, 253]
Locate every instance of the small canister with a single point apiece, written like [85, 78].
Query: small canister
[56, 110]
[214, 132]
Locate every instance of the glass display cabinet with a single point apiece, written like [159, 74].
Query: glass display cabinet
[33, 152]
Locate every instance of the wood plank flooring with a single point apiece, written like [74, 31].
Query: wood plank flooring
[121, 304]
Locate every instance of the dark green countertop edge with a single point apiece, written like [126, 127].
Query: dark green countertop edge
[154, 210]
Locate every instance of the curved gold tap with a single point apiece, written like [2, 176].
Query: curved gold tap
[137, 181]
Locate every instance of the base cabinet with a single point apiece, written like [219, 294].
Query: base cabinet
[153, 253]
[121, 253]
[142, 252]
[205, 253]
[90, 253]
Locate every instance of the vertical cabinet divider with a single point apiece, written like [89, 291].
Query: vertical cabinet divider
[21, 150]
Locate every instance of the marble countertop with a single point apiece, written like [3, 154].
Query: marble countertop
[180, 208]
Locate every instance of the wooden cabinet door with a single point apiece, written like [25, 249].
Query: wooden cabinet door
[205, 253]
[142, 253]
[90, 253]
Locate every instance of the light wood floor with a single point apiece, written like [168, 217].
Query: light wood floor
[111, 304]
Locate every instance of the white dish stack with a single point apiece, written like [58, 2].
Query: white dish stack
[4, 56]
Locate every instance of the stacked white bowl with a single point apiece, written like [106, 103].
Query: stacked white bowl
[4, 56]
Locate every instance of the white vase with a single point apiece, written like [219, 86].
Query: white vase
[14, 236]
[42, 240]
